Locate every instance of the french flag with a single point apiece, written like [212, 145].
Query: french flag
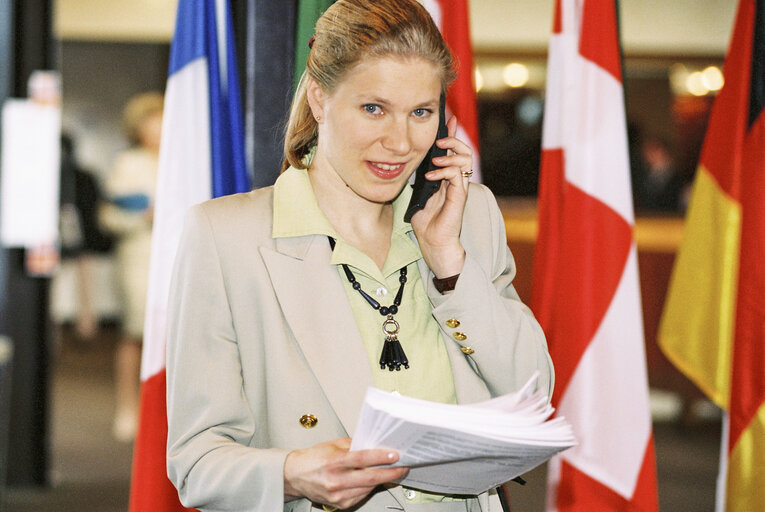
[201, 157]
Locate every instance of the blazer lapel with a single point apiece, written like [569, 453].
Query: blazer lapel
[315, 305]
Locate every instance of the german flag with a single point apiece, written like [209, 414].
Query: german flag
[713, 324]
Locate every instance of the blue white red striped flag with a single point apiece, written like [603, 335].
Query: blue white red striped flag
[201, 157]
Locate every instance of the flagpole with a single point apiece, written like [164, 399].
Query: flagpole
[722, 473]
[621, 63]
[249, 92]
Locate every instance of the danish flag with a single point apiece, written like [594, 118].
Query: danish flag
[585, 289]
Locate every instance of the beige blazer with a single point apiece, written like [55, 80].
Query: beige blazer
[260, 333]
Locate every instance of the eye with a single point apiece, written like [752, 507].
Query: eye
[422, 113]
[371, 108]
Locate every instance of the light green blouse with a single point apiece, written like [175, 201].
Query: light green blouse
[429, 377]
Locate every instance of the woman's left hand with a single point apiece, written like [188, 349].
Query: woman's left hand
[438, 225]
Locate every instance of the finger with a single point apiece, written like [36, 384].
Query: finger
[345, 498]
[348, 497]
[455, 145]
[452, 174]
[370, 458]
[451, 126]
[462, 161]
[372, 477]
[362, 480]
[344, 443]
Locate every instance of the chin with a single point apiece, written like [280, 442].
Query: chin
[384, 194]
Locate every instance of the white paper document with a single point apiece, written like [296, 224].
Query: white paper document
[463, 449]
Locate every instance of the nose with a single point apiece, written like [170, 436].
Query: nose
[396, 137]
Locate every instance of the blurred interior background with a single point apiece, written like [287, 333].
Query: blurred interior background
[106, 51]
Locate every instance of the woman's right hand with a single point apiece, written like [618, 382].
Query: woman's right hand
[330, 474]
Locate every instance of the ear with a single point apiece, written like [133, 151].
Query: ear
[316, 98]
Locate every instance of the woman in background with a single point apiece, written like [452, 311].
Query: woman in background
[128, 214]
[82, 242]
[284, 300]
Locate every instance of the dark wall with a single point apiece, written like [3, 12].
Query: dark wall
[98, 78]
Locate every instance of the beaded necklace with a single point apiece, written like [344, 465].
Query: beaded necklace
[392, 355]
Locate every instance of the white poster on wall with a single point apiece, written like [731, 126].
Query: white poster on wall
[29, 176]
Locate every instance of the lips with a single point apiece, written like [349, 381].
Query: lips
[386, 171]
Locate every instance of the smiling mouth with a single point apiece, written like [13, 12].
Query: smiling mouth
[386, 171]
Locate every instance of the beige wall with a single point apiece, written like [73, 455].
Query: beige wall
[671, 27]
[114, 20]
[677, 27]
[664, 27]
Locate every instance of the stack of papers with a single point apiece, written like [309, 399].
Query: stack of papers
[463, 449]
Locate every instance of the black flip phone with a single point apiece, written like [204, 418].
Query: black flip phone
[422, 187]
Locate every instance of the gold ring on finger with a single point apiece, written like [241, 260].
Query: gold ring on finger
[467, 174]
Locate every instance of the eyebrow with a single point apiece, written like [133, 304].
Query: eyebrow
[383, 102]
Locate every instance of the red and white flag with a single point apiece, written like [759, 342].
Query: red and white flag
[585, 288]
[451, 17]
[201, 156]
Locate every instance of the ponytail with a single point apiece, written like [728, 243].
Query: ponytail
[302, 129]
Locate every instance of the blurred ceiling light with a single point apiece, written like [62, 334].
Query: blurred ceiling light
[695, 84]
[678, 75]
[478, 80]
[712, 78]
[515, 75]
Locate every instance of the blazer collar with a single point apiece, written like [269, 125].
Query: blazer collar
[316, 308]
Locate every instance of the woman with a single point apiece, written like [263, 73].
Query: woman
[129, 215]
[271, 345]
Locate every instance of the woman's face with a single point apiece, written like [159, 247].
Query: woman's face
[377, 126]
[150, 132]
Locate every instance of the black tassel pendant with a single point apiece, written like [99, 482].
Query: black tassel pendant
[392, 355]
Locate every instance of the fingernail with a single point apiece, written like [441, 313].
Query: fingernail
[391, 456]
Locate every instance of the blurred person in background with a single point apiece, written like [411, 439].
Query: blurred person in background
[128, 214]
[658, 184]
[82, 240]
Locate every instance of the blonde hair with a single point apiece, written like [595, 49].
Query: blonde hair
[139, 108]
[347, 32]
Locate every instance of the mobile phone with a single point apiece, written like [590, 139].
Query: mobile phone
[422, 187]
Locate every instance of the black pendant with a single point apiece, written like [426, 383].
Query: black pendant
[392, 355]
